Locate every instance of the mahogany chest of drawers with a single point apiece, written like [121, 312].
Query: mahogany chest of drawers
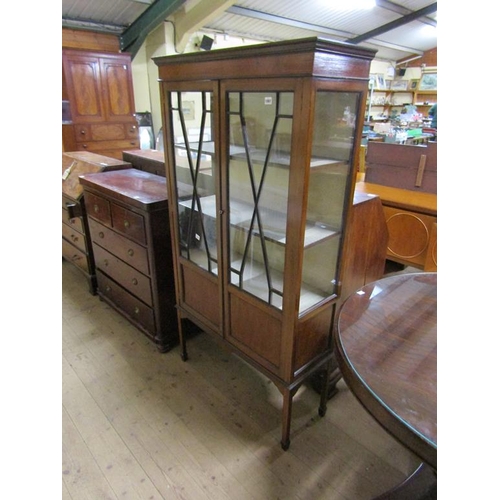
[127, 213]
[76, 247]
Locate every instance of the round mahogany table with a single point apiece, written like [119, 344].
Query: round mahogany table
[386, 347]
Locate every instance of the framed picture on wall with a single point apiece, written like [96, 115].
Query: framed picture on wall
[380, 82]
[428, 81]
[399, 85]
[414, 84]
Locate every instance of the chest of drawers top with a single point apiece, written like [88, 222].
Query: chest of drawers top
[136, 188]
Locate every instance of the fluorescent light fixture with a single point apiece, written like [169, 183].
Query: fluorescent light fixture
[428, 30]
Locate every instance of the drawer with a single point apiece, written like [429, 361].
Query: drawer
[74, 236]
[106, 132]
[132, 308]
[75, 256]
[76, 222]
[129, 223]
[125, 275]
[125, 249]
[82, 132]
[100, 146]
[98, 207]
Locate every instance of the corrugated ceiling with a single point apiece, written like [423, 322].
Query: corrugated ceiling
[277, 20]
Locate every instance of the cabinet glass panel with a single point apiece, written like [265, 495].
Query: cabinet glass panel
[193, 140]
[332, 149]
[260, 130]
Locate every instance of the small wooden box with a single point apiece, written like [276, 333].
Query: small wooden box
[402, 166]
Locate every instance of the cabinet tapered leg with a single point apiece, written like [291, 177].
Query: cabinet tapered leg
[325, 391]
[286, 418]
[182, 338]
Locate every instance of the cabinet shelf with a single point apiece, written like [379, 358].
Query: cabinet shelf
[259, 155]
[274, 222]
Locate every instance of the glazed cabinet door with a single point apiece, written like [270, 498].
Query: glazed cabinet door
[257, 160]
[192, 148]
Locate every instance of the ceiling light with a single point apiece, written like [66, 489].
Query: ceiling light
[428, 30]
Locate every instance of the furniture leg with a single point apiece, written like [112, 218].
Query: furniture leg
[325, 391]
[182, 338]
[286, 418]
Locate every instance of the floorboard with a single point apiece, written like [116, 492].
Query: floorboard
[139, 424]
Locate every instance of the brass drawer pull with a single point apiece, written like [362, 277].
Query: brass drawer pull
[134, 281]
[126, 223]
[106, 263]
[101, 234]
[136, 310]
[108, 288]
[96, 208]
[130, 252]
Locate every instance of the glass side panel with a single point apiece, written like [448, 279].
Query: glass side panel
[260, 129]
[193, 139]
[332, 148]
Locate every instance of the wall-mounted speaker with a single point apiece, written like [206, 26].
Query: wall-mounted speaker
[206, 43]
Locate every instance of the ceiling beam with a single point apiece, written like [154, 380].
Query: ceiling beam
[133, 37]
[188, 21]
[399, 9]
[394, 24]
[264, 16]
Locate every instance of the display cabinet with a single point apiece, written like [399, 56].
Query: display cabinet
[260, 146]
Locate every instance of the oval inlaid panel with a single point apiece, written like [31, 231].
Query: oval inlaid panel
[417, 235]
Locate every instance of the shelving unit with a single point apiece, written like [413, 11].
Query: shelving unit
[382, 102]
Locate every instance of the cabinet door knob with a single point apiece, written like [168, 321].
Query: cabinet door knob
[101, 234]
[96, 208]
[85, 146]
[82, 132]
[108, 288]
[136, 310]
[126, 223]
[106, 263]
[130, 252]
[134, 281]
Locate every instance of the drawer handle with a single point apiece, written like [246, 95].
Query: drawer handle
[101, 234]
[126, 223]
[134, 281]
[130, 252]
[96, 208]
[85, 146]
[82, 132]
[136, 310]
[74, 238]
[106, 263]
[108, 288]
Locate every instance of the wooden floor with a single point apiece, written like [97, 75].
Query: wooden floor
[138, 424]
